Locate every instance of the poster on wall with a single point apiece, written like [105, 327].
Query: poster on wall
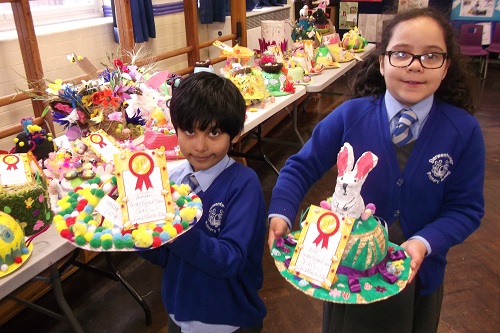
[408, 4]
[348, 15]
[476, 10]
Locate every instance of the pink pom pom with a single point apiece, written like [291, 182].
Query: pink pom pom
[371, 207]
[325, 204]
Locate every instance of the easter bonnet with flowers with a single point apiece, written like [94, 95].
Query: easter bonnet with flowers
[342, 254]
[110, 192]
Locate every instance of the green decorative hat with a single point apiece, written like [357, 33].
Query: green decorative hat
[371, 268]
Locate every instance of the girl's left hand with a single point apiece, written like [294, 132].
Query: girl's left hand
[416, 250]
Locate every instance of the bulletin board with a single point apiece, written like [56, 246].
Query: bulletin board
[476, 10]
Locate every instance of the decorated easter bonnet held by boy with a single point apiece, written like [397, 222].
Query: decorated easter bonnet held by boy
[367, 267]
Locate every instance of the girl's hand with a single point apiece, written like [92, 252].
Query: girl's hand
[277, 228]
[416, 250]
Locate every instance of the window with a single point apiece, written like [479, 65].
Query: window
[53, 11]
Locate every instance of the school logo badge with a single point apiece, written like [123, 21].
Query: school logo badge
[215, 214]
[440, 167]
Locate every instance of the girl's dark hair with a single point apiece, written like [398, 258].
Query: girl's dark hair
[206, 100]
[454, 88]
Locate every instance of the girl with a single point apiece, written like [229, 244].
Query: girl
[428, 187]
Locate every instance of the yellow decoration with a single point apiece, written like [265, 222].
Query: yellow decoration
[143, 239]
[188, 213]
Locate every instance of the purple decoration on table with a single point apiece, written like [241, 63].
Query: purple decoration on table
[73, 133]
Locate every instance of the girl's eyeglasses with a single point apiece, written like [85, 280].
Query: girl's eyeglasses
[430, 60]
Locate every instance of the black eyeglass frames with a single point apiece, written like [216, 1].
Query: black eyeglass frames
[430, 60]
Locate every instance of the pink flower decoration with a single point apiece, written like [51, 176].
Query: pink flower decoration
[115, 116]
[335, 293]
[63, 107]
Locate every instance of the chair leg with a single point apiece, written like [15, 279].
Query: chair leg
[486, 66]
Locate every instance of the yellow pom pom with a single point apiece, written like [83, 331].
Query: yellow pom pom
[143, 238]
[188, 214]
[58, 218]
[184, 189]
[60, 225]
[21, 144]
[88, 236]
[107, 224]
[79, 229]
[93, 222]
[16, 140]
[106, 236]
[196, 199]
[171, 231]
[94, 201]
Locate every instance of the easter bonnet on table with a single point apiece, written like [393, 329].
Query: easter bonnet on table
[364, 267]
[148, 212]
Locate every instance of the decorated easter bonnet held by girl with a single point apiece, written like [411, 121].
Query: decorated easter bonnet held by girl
[366, 267]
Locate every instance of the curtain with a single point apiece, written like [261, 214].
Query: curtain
[211, 11]
[142, 20]
[268, 3]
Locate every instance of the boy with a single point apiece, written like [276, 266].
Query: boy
[212, 273]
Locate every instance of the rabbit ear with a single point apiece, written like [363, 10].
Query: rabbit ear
[345, 159]
[365, 164]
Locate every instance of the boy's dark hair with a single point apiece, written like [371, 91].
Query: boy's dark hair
[454, 88]
[203, 100]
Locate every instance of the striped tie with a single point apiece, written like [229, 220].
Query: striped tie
[191, 180]
[402, 135]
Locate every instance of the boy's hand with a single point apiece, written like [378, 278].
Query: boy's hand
[416, 250]
[277, 228]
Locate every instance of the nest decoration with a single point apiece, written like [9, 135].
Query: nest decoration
[271, 67]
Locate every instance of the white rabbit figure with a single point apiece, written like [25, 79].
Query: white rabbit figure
[346, 199]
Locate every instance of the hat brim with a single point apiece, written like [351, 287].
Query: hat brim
[13, 267]
[373, 289]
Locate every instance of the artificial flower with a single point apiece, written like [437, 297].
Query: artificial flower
[115, 116]
[54, 87]
[109, 99]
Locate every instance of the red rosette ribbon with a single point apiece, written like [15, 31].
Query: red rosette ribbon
[97, 139]
[326, 229]
[141, 165]
[11, 161]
